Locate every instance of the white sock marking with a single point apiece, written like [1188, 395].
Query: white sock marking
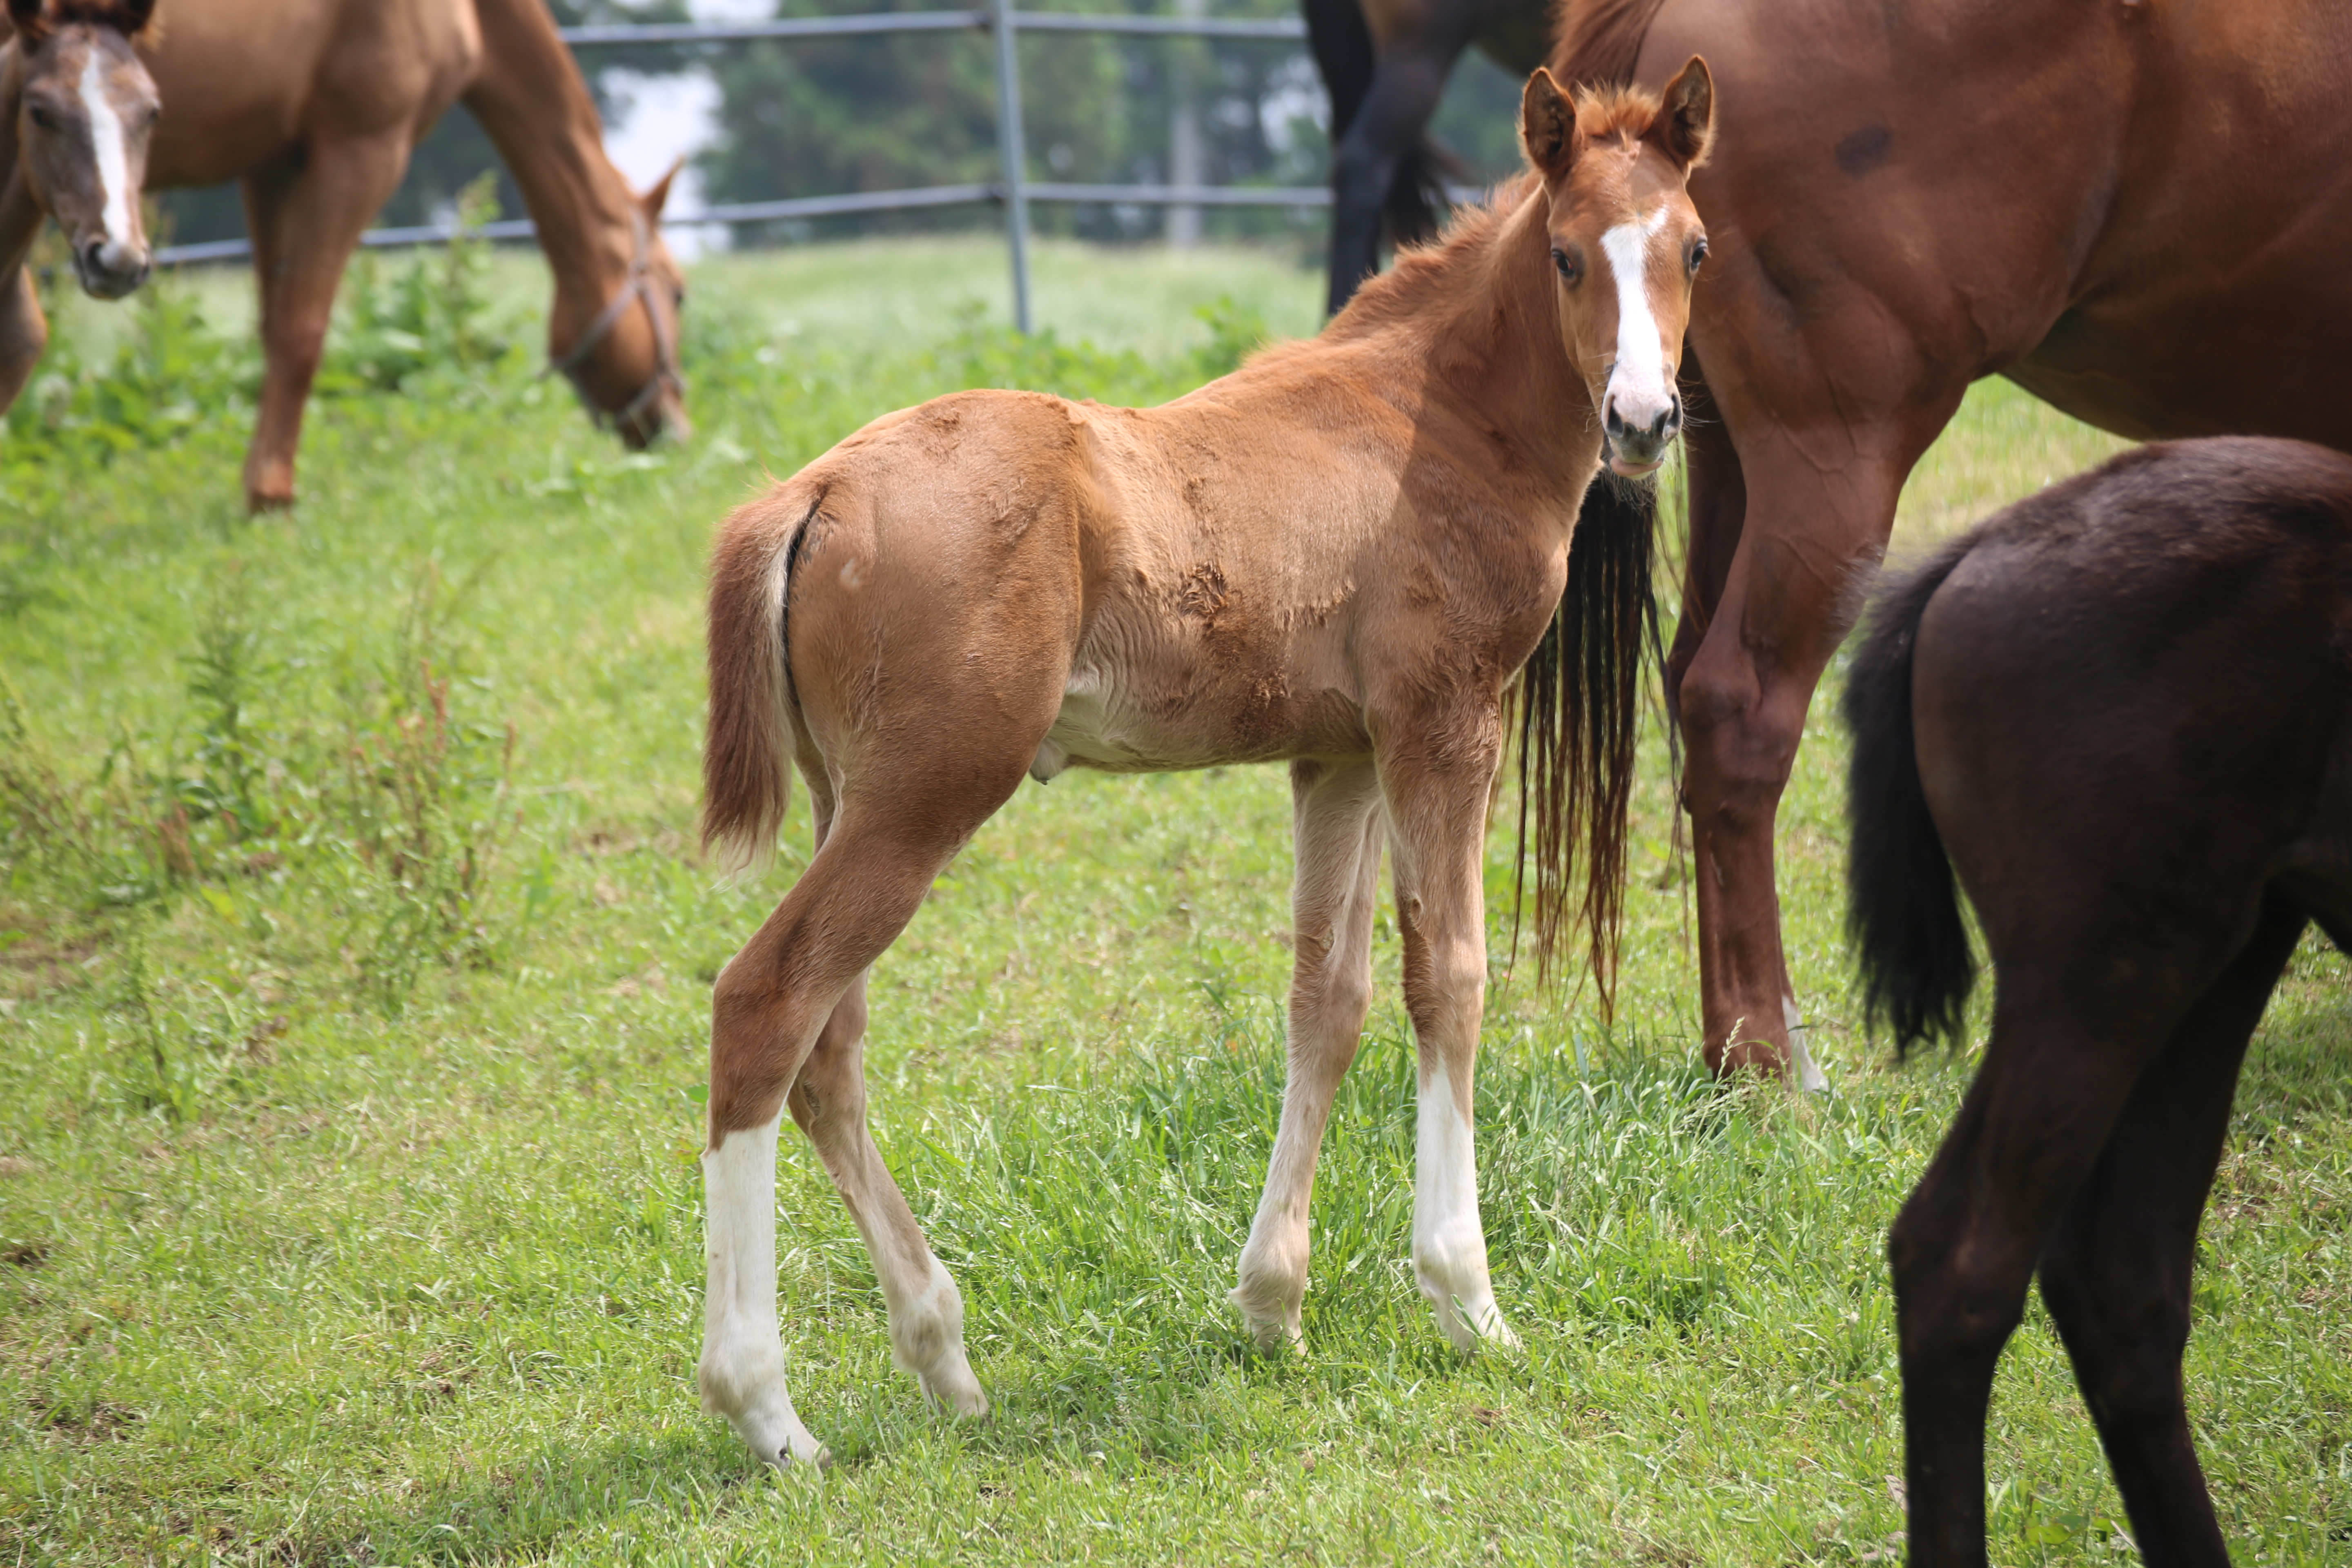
[1808, 1074]
[1449, 1243]
[112, 151]
[742, 1369]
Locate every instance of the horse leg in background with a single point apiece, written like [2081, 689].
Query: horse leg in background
[1810, 537]
[306, 221]
[1408, 79]
[24, 331]
[2118, 1274]
[1337, 834]
[1436, 800]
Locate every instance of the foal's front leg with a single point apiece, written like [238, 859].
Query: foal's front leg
[1436, 814]
[1336, 833]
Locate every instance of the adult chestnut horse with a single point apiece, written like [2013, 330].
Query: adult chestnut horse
[77, 107]
[313, 105]
[2123, 709]
[2139, 212]
[1385, 63]
[1336, 557]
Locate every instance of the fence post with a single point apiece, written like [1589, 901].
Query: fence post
[1015, 158]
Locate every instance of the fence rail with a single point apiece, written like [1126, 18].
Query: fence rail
[1014, 191]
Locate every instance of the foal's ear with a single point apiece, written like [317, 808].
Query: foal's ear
[1546, 125]
[136, 14]
[656, 195]
[24, 15]
[1685, 128]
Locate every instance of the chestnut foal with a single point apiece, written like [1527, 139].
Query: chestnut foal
[1336, 557]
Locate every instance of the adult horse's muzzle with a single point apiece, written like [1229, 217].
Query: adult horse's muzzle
[111, 269]
[1635, 449]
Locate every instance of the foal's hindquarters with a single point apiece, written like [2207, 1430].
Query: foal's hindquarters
[2125, 701]
[998, 583]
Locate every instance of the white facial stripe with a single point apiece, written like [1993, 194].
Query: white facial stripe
[113, 155]
[1641, 356]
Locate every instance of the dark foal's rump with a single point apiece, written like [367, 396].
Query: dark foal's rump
[2119, 708]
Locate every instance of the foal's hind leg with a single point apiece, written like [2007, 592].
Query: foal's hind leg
[1337, 835]
[2118, 1274]
[792, 1003]
[1437, 809]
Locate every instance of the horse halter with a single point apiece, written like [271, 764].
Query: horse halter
[572, 362]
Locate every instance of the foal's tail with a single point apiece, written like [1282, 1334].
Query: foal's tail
[747, 752]
[1903, 910]
[1579, 722]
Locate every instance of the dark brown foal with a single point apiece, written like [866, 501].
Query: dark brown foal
[2121, 709]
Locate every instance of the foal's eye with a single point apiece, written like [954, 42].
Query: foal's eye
[1698, 252]
[1565, 263]
[45, 118]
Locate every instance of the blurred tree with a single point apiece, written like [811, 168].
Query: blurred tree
[455, 151]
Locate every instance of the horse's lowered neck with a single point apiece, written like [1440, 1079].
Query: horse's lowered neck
[530, 100]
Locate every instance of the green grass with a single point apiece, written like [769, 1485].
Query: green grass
[349, 1210]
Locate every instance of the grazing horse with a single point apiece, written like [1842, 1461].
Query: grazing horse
[2117, 204]
[1337, 557]
[2122, 710]
[77, 108]
[314, 105]
[1385, 63]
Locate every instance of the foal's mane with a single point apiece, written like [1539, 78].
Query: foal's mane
[125, 17]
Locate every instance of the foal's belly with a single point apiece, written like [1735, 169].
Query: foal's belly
[1157, 704]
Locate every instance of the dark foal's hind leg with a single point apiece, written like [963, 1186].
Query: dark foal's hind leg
[2118, 1274]
[2065, 1056]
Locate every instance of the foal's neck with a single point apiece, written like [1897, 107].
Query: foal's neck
[1473, 324]
[532, 101]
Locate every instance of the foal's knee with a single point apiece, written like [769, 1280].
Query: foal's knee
[1953, 1304]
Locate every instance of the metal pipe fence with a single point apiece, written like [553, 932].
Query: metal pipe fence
[1013, 190]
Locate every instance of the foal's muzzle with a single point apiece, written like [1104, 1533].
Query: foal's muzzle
[1637, 450]
[108, 268]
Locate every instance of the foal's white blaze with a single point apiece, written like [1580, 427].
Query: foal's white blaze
[113, 155]
[1637, 382]
[742, 1369]
[1449, 1243]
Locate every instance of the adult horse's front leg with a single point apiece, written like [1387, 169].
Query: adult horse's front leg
[1336, 831]
[1436, 799]
[2118, 1274]
[1408, 79]
[306, 219]
[1807, 544]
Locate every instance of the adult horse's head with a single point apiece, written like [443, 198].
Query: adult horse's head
[623, 357]
[1626, 241]
[85, 108]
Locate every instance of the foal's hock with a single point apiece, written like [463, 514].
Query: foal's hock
[2123, 709]
[1336, 557]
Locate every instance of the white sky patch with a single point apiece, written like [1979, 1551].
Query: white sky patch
[1640, 369]
[113, 156]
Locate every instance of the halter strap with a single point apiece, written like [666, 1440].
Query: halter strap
[635, 288]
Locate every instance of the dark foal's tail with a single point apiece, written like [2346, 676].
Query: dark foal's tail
[1580, 700]
[1342, 45]
[1903, 909]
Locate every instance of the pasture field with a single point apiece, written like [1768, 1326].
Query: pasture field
[354, 955]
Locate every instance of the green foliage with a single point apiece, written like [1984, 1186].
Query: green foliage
[432, 309]
[170, 376]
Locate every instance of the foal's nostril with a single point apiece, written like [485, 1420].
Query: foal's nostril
[1612, 421]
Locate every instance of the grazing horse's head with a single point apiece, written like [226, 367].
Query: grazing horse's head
[1626, 241]
[85, 108]
[621, 353]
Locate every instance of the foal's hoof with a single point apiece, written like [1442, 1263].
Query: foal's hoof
[1274, 1330]
[950, 1386]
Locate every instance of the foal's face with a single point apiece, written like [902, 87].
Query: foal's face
[87, 112]
[1626, 244]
